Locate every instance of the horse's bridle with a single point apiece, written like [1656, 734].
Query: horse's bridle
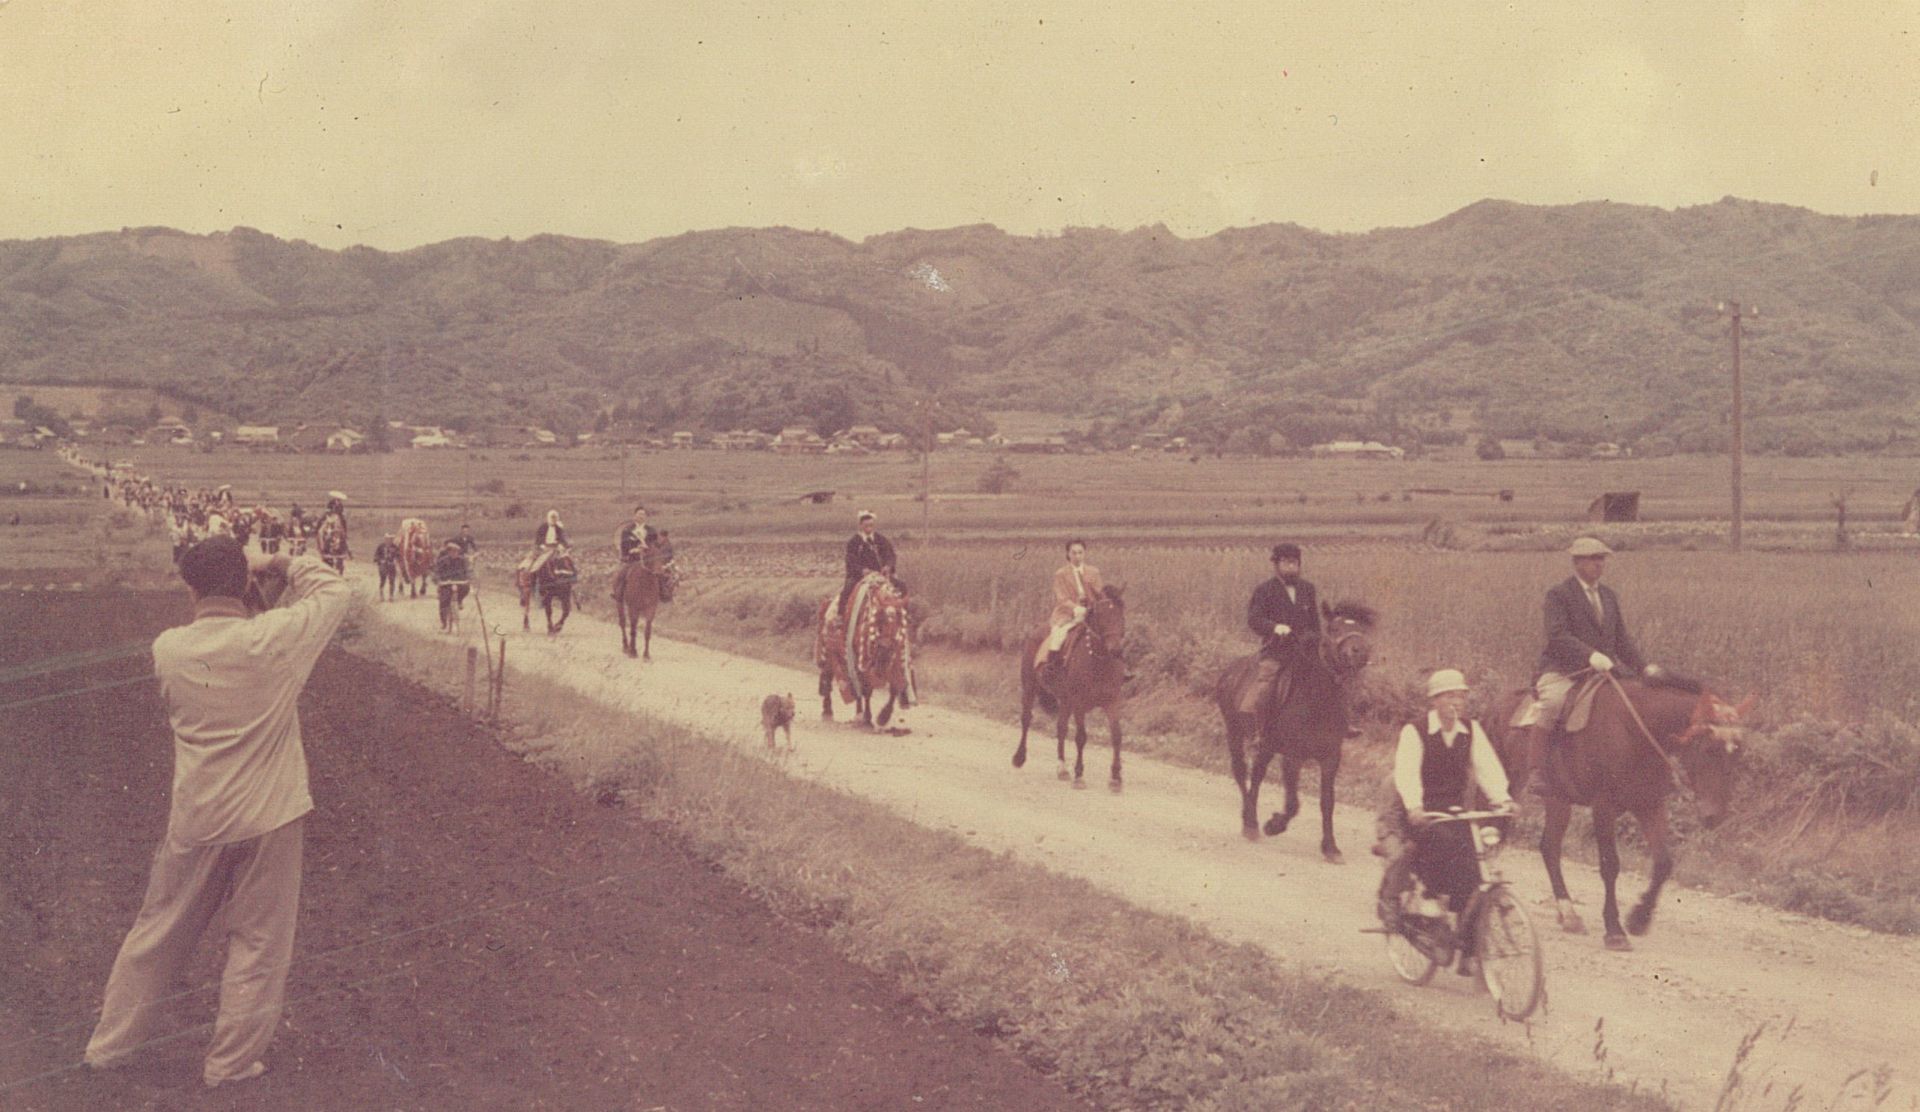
[1330, 646]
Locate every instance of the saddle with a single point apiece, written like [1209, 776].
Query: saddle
[1275, 677]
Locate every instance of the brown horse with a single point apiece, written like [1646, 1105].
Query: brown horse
[1090, 675]
[1641, 740]
[416, 556]
[879, 652]
[638, 598]
[1308, 725]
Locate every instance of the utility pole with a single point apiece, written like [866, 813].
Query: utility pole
[926, 475]
[1738, 442]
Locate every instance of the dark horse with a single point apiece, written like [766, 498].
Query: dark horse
[639, 600]
[1307, 725]
[1641, 740]
[1089, 675]
[553, 581]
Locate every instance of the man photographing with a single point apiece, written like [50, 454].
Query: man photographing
[232, 851]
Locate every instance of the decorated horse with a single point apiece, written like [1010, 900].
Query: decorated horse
[553, 582]
[1089, 675]
[332, 542]
[1640, 740]
[875, 648]
[416, 556]
[1305, 723]
[636, 599]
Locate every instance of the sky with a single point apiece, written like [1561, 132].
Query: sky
[396, 123]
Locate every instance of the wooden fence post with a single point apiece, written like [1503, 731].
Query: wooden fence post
[473, 665]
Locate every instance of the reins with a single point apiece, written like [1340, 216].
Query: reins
[1674, 768]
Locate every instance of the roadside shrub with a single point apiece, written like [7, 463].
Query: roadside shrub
[495, 485]
[514, 509]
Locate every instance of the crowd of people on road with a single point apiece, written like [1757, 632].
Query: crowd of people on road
[232, 675]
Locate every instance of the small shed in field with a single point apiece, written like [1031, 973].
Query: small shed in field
[1615, 505]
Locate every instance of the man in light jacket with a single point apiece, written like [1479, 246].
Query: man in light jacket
[232, 850]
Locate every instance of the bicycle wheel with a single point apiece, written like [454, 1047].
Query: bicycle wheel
[1412, 963]
[1509, 951]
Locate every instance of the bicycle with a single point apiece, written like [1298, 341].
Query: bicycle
[1505, 942]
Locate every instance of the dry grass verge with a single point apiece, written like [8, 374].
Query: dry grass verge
[1130, 1008]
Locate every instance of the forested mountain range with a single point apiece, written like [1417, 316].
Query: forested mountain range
[1594, 321]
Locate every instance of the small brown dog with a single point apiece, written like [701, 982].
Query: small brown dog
[776, 713]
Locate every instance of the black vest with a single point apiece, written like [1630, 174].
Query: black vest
[1445, 772]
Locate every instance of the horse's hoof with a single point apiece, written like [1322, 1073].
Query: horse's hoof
[1079, 785]
[1063, 774]
[1276, 825]
[1638, 920]
[1114, 786]
[1571, 923]
[1250, 833]
[1618, 942]
[1333, 857]
[1020, 759]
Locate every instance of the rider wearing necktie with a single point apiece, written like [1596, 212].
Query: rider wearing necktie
[1585, 632]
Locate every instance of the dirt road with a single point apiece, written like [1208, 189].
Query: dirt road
[1672, 1014]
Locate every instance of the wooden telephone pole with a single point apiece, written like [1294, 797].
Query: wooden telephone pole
[1738, 445]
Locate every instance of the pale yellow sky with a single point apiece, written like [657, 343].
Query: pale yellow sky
[393, 123]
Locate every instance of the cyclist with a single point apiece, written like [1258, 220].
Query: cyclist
[1439, 763]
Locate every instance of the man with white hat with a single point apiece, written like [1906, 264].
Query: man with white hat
[1585, 632]
[1441, 761]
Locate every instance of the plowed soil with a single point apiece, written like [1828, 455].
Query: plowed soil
[473, 933]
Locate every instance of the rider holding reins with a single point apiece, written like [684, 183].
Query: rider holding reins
[636, 541]
[1585, 632]
[549, 537]
[1076, 584]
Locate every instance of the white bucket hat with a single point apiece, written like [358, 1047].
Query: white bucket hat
[1445, 680]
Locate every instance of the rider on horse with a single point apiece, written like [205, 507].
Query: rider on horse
[1439, 763]
[638, 540]
[1282, 610]
[1585, 631]
[549, 537]
[867, 551]
[1075, 585]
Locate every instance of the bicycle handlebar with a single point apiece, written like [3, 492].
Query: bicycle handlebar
[1469, 816]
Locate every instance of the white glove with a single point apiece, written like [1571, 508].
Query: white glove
[1281, 629]
[1600, 662]
[1654, 671]
[1079, 612]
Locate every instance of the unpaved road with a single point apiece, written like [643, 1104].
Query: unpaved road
[1671, 1014]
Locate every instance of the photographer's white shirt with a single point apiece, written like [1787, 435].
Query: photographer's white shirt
[230, 683]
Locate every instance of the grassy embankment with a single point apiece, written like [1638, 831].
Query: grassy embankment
[1830, 793]
[1130, 1008]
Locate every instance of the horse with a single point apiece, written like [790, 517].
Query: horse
[554, 580]
[881, 650]
[416, 556]
[639, 599]
[1090, 675]
[1308, 724]
[1641, 740]
[332, 540]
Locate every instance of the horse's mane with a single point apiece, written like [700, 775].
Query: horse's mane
[1357, 612]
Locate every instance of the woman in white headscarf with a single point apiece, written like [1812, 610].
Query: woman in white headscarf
[549, 536]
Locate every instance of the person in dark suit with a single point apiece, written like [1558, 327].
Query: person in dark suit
[1281, 612]
[1585, 632]
[867, 550]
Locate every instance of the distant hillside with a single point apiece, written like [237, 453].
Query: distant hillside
[1592, 321]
